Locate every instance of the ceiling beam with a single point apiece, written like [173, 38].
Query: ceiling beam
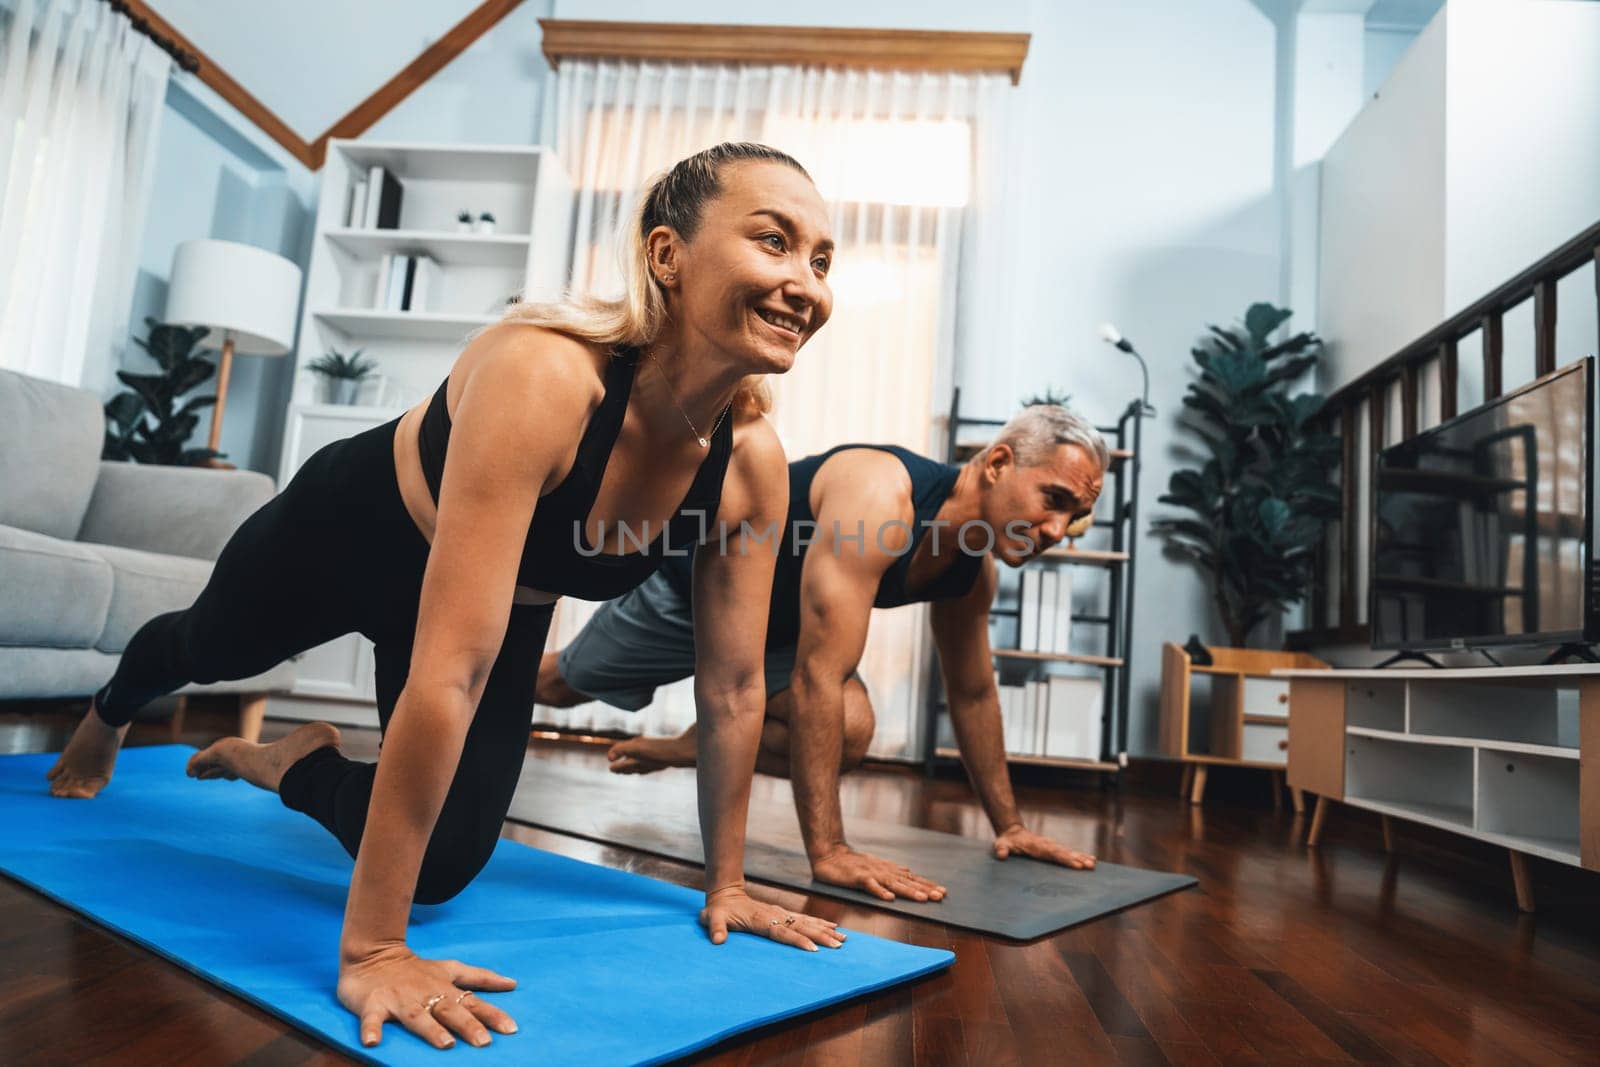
[691, 42]
[365, 114]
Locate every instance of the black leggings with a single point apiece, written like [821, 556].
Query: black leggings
[337, 553]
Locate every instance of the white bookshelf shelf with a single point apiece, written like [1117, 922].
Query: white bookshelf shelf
[527, 191]
[458, 249]
[1553, 751]
[451, 163]
[402, 325]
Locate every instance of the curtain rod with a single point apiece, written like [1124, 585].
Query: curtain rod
[186, 61]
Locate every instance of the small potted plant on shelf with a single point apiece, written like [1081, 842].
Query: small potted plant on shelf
[342, 375]
[464, 221]
[485, 222]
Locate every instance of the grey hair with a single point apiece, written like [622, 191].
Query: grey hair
[1038, 430]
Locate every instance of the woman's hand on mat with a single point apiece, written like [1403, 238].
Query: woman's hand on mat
[1023, 842]
[731, 908]
[884, 879]
[428, 997]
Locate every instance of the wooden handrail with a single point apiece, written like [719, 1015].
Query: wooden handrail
[1582, 249]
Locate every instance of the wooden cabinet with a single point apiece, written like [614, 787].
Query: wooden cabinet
[1233, 712]
[1507, 755]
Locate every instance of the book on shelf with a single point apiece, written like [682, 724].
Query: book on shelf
[1028, 615]
[406, 283]
[1056, 716]
[1041, 717]
[1061, 605]
[356, 207]
[383, 200]
[1074, 718]
[1045, 611]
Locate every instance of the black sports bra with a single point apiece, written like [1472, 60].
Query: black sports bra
[556, 557]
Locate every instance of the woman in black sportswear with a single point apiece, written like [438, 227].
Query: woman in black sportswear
[564, 437]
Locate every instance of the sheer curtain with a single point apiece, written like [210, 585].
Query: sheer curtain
[909, 165]
[81, 95]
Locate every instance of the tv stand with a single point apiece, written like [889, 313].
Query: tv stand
[1571, 650]
[1506, 755]
[1406, 654]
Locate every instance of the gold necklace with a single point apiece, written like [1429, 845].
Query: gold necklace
[698, 436]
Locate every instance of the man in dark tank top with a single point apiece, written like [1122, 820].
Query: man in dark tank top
[868, 526]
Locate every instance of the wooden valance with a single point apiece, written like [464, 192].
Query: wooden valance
[823, 46]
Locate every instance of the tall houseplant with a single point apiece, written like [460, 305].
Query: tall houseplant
[148, 424]
[1262, 499]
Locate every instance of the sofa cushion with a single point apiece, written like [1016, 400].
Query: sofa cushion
[55, 593]
[50, 441]
[145, 584]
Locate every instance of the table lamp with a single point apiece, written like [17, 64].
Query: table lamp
[247, 295]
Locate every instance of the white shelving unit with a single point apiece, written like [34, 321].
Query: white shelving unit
[1507, 755]
[528, 192]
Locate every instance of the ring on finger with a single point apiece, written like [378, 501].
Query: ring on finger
[789, 921]
[464, 996]
[428, 1004]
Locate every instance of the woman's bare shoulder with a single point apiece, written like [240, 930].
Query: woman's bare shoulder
[520, 363]
[756, 446]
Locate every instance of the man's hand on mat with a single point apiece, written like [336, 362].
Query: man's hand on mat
[731, 908]
[884, 879]
[1024, 842]
[425, 996]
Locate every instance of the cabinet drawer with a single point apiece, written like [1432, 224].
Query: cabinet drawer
[1266, 696]
[1265, 743]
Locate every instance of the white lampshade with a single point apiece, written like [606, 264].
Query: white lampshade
[235, 287]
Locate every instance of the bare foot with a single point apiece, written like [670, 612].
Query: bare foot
[260, 765]
[86, 763]
[646, 755]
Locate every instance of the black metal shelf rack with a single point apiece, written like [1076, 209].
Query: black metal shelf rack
[1116, 663]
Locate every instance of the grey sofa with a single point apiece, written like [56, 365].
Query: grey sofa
[90, 550]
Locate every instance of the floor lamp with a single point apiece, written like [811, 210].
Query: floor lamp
[248, 296]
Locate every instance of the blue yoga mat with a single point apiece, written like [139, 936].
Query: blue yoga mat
[220, 878]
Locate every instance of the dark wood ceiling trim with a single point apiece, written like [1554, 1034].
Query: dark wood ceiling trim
[433, 59]
[794, 45]
[230, 90]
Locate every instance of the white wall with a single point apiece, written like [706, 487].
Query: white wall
[1522, 125]
[492, 93]
[218, 176]
[1381, 280]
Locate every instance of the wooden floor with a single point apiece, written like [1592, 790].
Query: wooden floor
[1281, 955]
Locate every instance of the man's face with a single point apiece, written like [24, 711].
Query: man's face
[1042, 503]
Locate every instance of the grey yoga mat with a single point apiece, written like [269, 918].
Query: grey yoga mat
[1019, 898]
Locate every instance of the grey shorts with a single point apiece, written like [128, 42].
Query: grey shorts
[641, 640]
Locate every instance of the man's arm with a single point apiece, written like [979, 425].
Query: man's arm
[961, 634]
[855, 497]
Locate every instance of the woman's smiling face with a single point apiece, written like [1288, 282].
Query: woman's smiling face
[752, 281]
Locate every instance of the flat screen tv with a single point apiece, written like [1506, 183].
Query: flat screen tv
[1482, 526]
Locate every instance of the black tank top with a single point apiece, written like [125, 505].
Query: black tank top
[556, 557]
[931, 485]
